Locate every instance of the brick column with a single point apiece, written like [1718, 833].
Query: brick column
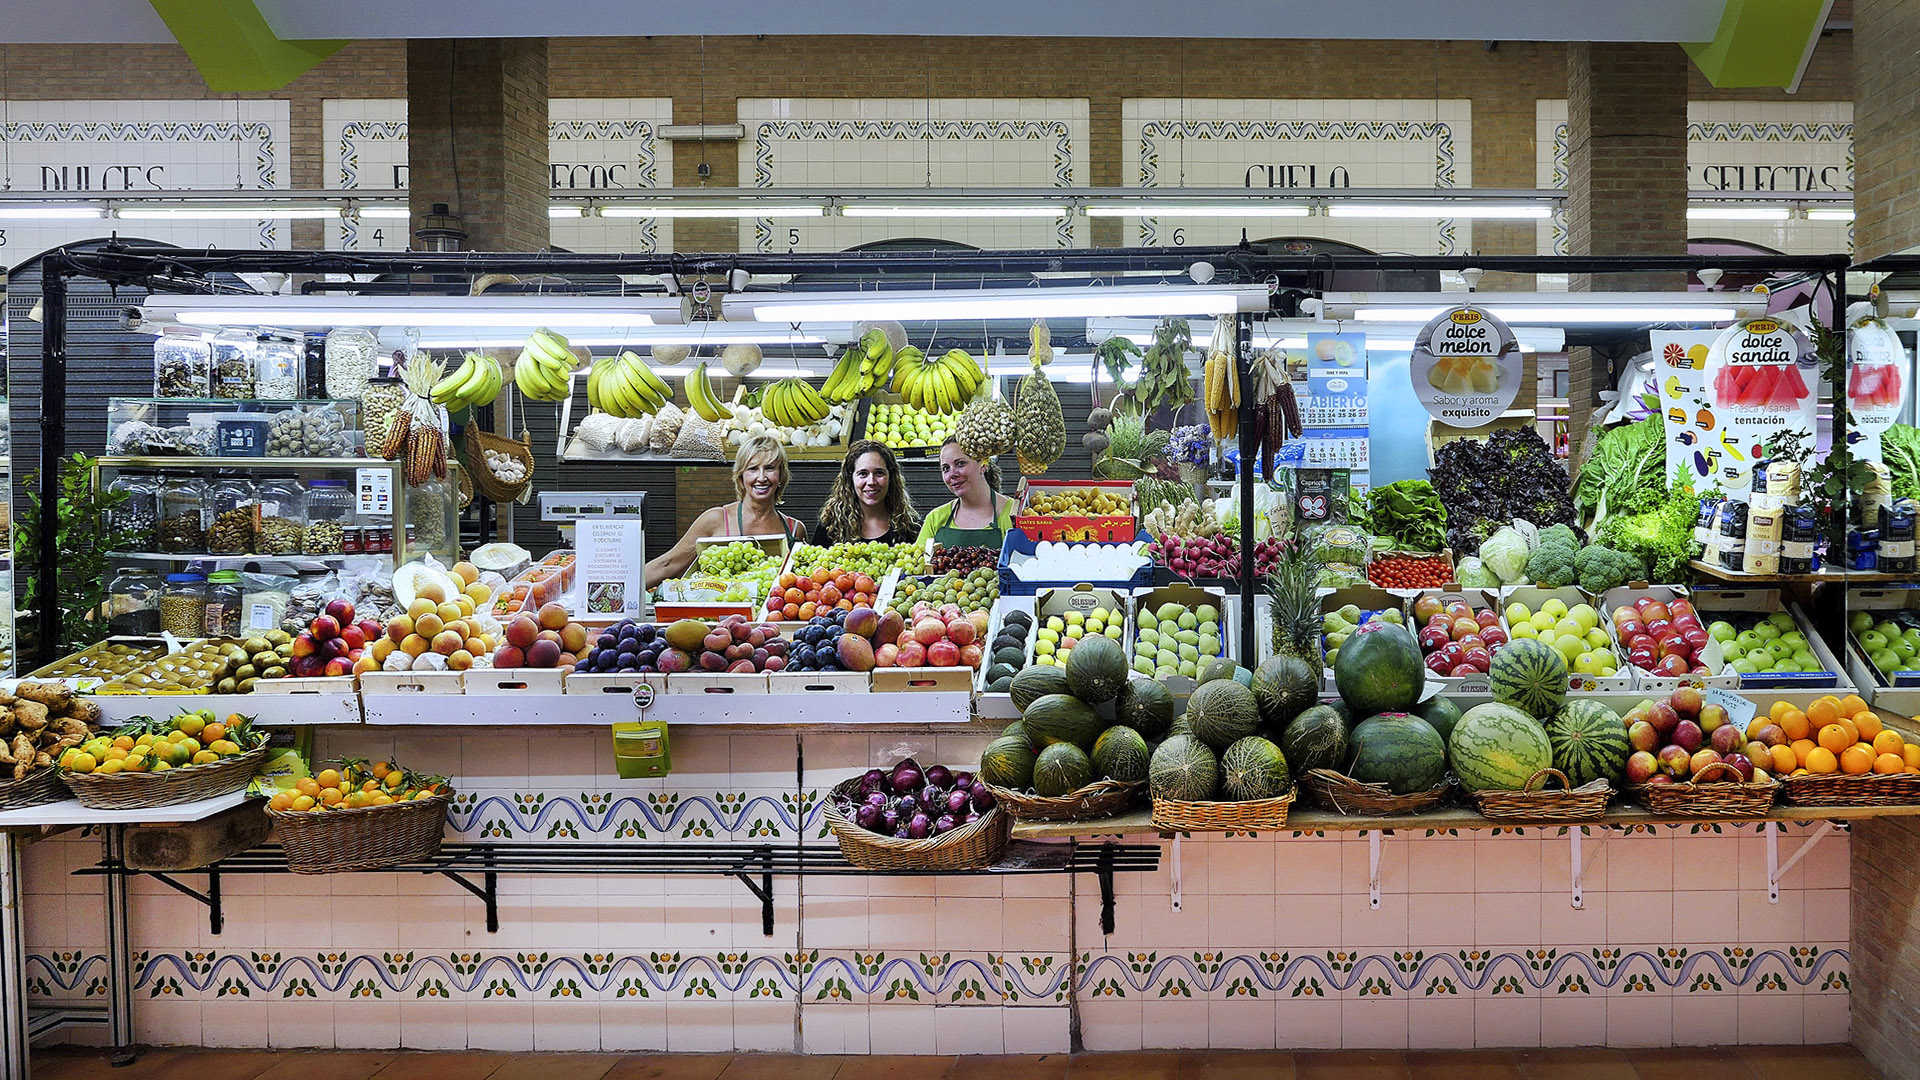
[1626, 181]
[1886, 127]
[477, 137]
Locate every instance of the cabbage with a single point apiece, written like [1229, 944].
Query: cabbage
[1472, 573]
[1505, 554]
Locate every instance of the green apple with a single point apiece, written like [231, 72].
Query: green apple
[1860, 622]
[1518, 613]
[1873, 641]
[1886, 660]
[1554, 607]
[1584, 615]
[1767, 631]
[1744, 666]
[1720, 630]
[1782, 620]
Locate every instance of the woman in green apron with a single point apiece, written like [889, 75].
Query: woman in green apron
[760, 475]
[979, 515]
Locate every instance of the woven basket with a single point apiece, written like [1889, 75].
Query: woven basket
[1258, 815]
[976, 844]
[1725, 798]
[1341, 794]
[1583, 803]
[1100, 799]
[361, 838]
[478, 443]
[37, 788]
[1842, 789]
[463, 482]
[139, 791]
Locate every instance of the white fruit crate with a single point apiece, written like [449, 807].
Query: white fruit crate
[413, 682]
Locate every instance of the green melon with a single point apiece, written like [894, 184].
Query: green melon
[1060, 769]
[1589, 742]
[1180, 726]
[1002, 671]
[1221, 712]
[1008, 762]
[1015, 728]
[1183, 768]
[1097, 669]
[1253, 768]
[1283, 687]
[1145, 705]
[1496, 747]
[1399, 750]
[1379, 669]
[1034, 683]
[1011, 655]
[1000, 685]
[1060, 718]
[1217, 668]
[1316, 739]
[1120, 753]
[1530, 675]
[1440, 711]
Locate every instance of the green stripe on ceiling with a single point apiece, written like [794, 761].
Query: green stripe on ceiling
[235, 50]
[1761, 43]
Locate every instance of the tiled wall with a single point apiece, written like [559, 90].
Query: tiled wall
[1274, 942]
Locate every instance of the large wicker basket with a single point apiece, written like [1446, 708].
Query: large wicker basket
[1339, 793]
[478, 443]
[1843, 789]
[1584, 803]
[140, 791]
[1257, 815]
[361, 838]
[1100, 799]
[976, 844]
[1719, 798]
[38, 787]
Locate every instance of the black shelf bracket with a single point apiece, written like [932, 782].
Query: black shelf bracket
[488, 892]
[216, 916]
[1103, 869]
[761, 889]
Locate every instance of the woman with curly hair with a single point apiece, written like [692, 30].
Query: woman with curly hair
[869, 500]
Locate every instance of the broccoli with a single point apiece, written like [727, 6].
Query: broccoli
[1551, 564]
[1602, 568]
[1556, 534]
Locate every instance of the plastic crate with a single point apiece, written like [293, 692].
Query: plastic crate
[1019, 543]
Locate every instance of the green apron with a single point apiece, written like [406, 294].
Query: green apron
[990, 537]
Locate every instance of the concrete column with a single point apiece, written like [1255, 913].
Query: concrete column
[1626, 182]
[477, 137]
[1886, 127]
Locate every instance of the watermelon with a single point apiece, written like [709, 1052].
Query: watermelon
[1379, 669]
[1439, 711]
[1496, 747]
[1034, 683]
[1120, 753]
[1061, 768]
[1399, 750]
[1096, 669]
[1530, 675]
[1221, 712]
[1183, 768]
[1283, 687]
[1253, 768]
[1060, 718]
[1145, 705]
[1316, 739]
[1008, 762]
[1589, 742]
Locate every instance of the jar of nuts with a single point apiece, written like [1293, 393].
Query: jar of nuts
[183, 523]
[378, 406]
[233, 509]
[329, 515]
[278, 366]
[183, 605]
[139, 514]
[352, 353]
[182, 365]
[283, 520]
[233, 374]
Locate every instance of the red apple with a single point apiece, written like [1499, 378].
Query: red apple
[1726, 738]
[1701, 759]
[1659, 778]
[1643, 737]
[1686, 701]
[1493, 636]
[1672, 666]
[1712, 718]
[1641, 767]
[1663, 718]
[1437, 663]
[1427, 607]
[1486, 617]
[1674, 761]
[1654, 609]
[1741, 764]
[1772, 735]
[1687, 736]
[1472, 642]
[1460, 609]
[1463, 626]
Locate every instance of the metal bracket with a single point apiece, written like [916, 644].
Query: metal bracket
[1578, 864]
[762, 889]
[216, 917]
[1104, 872]
[1776, 870]
[1176, 872]
[488, 893]
[1373, 869]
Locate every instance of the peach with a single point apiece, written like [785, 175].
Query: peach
[428, 625]
[573, 638]
[399, 627]
[509, 656]
[522, 631]
[365, 664]
[553, 616]
[543, 654]
[447, 642]
[466, 572]
[415, 645]
[447, 612]
[548, 635]
[430, 591]
[459, 660]
[477, 645]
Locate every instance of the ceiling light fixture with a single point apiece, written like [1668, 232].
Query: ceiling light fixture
[1818, 214]
[1058, 303]
[1434, 211]
[955, 210]
[51, 213]
[557, 312]
[183, 212]
[1738, 213]
[730, 210]
[1248, 208]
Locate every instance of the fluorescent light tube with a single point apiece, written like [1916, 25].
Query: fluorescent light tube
[1817, 214]
[1738, 213]
[1568, 313]
[50, 213]
[640, 338]
[1433, 211]
[955, 210]
[1249, 208]
[187, 212]
[558, 312]
[1065, 303]
[736, 210]
[563, 210]
[398, 213]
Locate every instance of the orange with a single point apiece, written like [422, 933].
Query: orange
[1784, 759]
[1868, 722]
[1887, 742]
[328, 778]
[1911, 752]
[1851, 704]
[1820, 760]
[1824, 711]
[282, 800]
[1801, 748]
[307, 785]
[1852, 729]
[1778, 709]
[1796, 724]
[1835, 738]
[1889, 764]
[1856, 759]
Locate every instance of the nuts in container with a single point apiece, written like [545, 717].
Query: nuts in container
[312, 431]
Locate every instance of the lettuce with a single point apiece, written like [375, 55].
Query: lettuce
[1505, 554]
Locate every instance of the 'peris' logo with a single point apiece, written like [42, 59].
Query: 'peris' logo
[1465, 317]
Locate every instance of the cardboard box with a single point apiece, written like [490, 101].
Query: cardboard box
[1647, 681]
[1709, 603]
[1477, 599]
[1366, 598]
[1190, 596]
[1112, 528]
[1533, 596]
[986, 703]
[1083, 599]
[1881, 602]
[772, 544]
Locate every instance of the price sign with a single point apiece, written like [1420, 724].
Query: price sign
[374, 489]
[1466, 367]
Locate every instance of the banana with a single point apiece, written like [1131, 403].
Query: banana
[448, 388]
[644, 371]
[700, 396]
[874, 341]
[594, 375]
[550, 345]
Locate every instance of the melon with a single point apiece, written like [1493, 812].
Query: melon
[1316, 739]
[1379, 669]
[1215, 669]
[1060, 718]
[1015, 728]
[1399, 750]
[1253, 768]
[1283, 687]
[1146, 706]
[1060, 769]
[1439, 711]
[1496, 747]
[1589, 742]
[1221, 712]
[1120, 753]
[1530, 675]
[1183, 768]
[1097, 669]
[1008, 762]
[1034, 683]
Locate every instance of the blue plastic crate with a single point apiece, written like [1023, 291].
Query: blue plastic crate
[1019, 543]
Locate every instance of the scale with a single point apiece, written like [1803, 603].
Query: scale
[566, 510]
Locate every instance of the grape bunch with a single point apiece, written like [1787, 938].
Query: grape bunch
[976, 590]
[946, 559]
[735, 559]
[870, 557]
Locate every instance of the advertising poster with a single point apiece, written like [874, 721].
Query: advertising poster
[1680, 375]
[1466, 367]
[1877, 369]
[1761, 375]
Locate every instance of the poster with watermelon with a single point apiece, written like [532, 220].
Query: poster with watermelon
[1680, 377]
[1877, 375]
[1762, 375]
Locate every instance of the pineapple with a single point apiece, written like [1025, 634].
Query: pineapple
[1293, 584]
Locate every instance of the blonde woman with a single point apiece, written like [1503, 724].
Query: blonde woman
[869, 500]
[760, 476]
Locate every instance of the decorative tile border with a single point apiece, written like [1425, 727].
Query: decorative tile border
[653, 815]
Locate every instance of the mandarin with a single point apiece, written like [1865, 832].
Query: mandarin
[1824, 711]
[1821, 761]
[1852, 704]
[1796, 724]
[1784, 759]
[1887, 742]
[1856, 759]
[1889, 764]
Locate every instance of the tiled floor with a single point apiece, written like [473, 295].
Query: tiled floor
[1713, 1063]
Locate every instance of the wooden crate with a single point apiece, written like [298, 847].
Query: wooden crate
[816, 682]
[597, 683]
[720, 682]
[515, 681]
[320, 684]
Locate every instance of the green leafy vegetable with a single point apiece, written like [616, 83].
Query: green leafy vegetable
[1658, 529]
[1900, 452]
[1409, 513]
[1626, 458]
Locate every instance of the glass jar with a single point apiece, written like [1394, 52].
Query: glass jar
[233, 365]
[429, 519]
[222, 617]
[133, 602]
[183, 522]
[277, 367]
[182, 365]
[329, 515]
[352, 353]
[378, 406]
[139, 515]
[283, 517]
[233, 516]
[183, 605]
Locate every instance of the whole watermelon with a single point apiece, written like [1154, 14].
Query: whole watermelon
[1379, 669]
[1316, 739]
[1146, 706]
[1399, 750]
[1441, 712]
[1283, 687]
[1530, 675]
[1497, 747]
[1589, 742]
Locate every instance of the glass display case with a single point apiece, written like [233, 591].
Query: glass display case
[250, 427]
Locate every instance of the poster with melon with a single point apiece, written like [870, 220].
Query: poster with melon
[1877, 371]
[1680, 377]
[1466, 367]
[1762, 376]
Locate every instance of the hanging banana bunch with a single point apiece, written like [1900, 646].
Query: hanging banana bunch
[1222, 381]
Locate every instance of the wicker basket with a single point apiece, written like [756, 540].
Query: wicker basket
[139, 791]
[478, 443]
[1342, 794]
[463, 482]
[1842, 789]
[1100, 799]
[37, 788]
[1258, 815]
[362, 838]
[976, 844]
[1725, 798]
[1583, 803]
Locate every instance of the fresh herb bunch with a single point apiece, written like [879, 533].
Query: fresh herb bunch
[1626, 459]
[1900, 453]
[1164, 380]
[1655, 525]
[86, 531]
[1485, 483]
[1132, 451]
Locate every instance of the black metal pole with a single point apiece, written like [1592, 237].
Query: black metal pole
[1249, 584]
[53, 412]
